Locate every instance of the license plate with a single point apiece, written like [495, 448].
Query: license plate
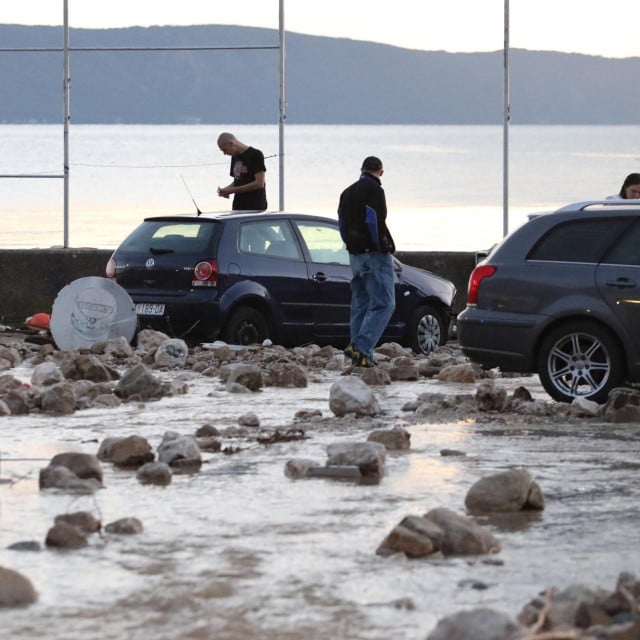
[147, 309]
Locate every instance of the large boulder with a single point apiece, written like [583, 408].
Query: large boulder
[351, 395]
[171, 354]
[46, 373]
[476, 624]
[512, 490]
[140, 382]
[58, 399]
[368, 457]
[131, 451]
[438, 530]
[16, 590]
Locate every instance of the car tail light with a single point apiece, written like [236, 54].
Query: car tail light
[481, 272]
[111, 268]
[205, 274]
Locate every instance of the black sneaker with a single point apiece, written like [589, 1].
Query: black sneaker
[362, 361]
[351, 352]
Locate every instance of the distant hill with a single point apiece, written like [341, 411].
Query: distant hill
[328, 81]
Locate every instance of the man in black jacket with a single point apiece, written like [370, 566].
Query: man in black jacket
[362, 214]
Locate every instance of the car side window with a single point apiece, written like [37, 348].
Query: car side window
[627, 249]
[584, 240]
[323, 242]
[273, 239]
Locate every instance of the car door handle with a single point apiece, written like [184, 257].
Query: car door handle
[621, 283]
[319, 277]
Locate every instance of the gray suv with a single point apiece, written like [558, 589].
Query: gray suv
[560, 297]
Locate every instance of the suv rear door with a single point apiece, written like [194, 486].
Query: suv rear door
[618, 280]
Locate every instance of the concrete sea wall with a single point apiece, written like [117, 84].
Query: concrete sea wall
[30, 279]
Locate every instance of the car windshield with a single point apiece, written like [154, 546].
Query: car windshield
[161, 236]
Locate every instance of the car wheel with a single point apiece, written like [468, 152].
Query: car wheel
[246, 326]
[580, 359]
[427, 330]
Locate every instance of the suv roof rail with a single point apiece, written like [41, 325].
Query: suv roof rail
[581, 206]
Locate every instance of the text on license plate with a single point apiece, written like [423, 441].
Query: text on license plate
[148, 309]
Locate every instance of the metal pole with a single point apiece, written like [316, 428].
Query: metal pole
[505, 134]
[66, 87]
[282, 107]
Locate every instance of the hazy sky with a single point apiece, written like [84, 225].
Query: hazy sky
[600, 28]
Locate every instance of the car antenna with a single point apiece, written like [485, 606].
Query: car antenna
[192, 198]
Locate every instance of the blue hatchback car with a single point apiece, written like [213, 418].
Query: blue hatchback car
[244, 277]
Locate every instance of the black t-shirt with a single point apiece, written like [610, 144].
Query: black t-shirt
[243, 170]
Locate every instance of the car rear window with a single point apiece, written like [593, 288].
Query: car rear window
[181, 238]
[585, 240]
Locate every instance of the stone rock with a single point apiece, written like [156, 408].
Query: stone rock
[351, 395]
[207, 431]
[139, 381]
[392, 350]
[392, 439]
[476, 624]
[490, 398]
[307, 414]
[210, 445]
[415, 536]
[131, 451]
[83, 465]
[8, 382]
[298, 467]
[113, 347]
[376, 377]
[58, 477]
[171, 353]
[457, 373]
[46, 374]
[249, 420]
[175, 448]
[452, 452]
[4, 408]
[25, 545]
[368, 457]
[584, 408]
[149, 340]
[248, 375]
[11, 355]
[156, 473]
[462, 536]
[18, 401]
[125, 526]
[84, 521]
[87, 367]
[512, 490]
[622, 405]
[65, 536]
[521, 394]
[16, 590]
[287, 374]
[106, 401]
[58, 399]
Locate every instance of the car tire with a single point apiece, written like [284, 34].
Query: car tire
[580, 359]
[427, 330]
[246, 326]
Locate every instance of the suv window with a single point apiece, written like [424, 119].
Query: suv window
[273, 239]
[627, 249]
[323, 243]
[583, 240]
[161, 236]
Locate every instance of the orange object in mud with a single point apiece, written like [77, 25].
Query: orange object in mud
[38, 321]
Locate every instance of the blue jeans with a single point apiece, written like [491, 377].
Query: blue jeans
[372, 299]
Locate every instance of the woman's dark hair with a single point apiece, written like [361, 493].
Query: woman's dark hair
[632, 178]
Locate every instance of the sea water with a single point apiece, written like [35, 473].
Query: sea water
[444, 184]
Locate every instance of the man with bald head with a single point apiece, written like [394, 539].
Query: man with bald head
[248, 171]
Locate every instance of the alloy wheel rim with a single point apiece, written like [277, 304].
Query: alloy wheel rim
[428, 334]
[579, 365]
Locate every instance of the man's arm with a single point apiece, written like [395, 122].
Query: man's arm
[257, 183]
